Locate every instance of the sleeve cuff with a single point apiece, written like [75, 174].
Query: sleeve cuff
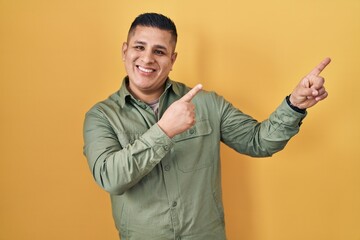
[158, 140]
[290, 116]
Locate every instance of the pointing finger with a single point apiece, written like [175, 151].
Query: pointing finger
[318, 69]
[191, 94]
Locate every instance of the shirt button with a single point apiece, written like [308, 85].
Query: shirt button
[192, 131]
[167, 168]
[174, 203]
[166, 147]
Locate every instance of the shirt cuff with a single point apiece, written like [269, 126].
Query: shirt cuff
[158, 141]
[289, 116]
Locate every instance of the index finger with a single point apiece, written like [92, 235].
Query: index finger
[191, 94]
[318, 69]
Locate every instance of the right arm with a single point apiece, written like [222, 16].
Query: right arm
[117, 168]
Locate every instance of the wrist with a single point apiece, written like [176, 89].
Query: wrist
[164, 129]
[293, 107]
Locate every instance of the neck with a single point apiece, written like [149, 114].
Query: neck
[145, 97]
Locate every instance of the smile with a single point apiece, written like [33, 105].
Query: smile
[146, 70]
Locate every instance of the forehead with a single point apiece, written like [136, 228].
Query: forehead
[151, 36]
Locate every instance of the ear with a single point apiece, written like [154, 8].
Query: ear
[124, 49]
[173, 58]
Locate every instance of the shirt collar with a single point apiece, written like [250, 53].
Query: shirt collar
[125, 95]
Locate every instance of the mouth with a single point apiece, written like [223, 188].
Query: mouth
[145, 70]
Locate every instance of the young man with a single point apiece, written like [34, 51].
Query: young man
[155, 144]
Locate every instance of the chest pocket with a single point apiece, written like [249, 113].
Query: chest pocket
[194, 147]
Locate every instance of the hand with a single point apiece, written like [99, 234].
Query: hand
[311, 88]
[180, 116]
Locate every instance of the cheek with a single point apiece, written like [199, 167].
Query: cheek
[129, 60]
[130, 56]
[166, 65]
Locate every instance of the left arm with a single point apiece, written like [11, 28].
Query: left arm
[262, 139]
[258, 139]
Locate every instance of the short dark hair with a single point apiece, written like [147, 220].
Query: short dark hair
[155, 20]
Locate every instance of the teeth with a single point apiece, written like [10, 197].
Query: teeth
[145, 69]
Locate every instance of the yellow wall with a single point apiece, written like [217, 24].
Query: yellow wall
[59, 57]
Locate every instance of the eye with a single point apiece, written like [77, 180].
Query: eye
[139, 47]
[159, 52]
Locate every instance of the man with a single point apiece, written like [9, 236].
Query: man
[155, 144]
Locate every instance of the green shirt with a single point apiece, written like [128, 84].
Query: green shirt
[164, 188]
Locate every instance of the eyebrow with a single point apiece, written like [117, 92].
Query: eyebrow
[158, 46]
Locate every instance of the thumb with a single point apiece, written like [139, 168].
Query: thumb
[191, 94]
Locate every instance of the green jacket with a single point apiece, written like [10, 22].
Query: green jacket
[164, 188]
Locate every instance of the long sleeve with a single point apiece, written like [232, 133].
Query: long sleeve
[258, 139]
[117, 168]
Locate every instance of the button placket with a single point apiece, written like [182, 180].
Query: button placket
[171, 186]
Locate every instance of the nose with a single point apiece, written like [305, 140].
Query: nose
[147, 57]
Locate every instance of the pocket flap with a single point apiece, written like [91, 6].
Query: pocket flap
[201, 128]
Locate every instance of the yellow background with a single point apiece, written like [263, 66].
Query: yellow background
[60, 57]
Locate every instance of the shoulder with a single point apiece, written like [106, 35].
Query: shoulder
[106, 106]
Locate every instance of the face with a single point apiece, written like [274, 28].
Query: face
[148, 56]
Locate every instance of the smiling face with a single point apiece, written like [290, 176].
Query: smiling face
[148, 56]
